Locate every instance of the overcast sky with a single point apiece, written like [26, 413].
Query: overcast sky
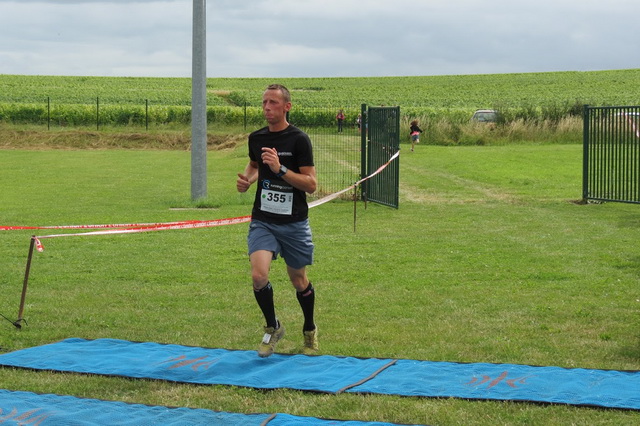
[319, 38]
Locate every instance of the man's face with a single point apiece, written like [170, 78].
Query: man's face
[274, 107]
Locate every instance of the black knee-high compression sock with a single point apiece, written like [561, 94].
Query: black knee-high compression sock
[306, 299]
[264, 297]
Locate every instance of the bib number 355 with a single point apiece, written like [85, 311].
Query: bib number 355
[276, 202]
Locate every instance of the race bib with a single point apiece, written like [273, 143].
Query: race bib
[276, 198]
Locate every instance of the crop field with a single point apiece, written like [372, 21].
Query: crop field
[124, 101]
[439, 92]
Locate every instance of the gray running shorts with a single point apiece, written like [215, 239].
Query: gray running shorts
[292, 241]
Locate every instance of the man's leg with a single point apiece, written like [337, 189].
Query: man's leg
[260, 264]
[306, 297]
[305, 293]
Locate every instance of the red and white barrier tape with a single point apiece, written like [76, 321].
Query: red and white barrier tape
[191, 224]
[157, 227]
[120, 225]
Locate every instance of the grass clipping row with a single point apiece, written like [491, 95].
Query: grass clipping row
[82, 139]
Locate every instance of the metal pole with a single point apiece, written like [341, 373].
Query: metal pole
[364, 130]
[25, 284]
[199, 102]
[585, 153]
[355, 205]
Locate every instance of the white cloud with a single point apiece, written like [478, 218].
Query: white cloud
[318, 37]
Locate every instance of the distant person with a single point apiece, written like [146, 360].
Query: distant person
[340, 119]
[414, 133]
[359, 122]
[281, 162]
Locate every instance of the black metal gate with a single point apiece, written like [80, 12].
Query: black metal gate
[611, 158]
[380, 141]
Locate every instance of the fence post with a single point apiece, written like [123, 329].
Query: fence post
[146, 113]
[48, 113]
[364, 130]
[97, 113]
[585, 152]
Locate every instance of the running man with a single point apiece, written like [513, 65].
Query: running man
[281, 162]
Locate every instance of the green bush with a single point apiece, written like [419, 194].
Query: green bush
[23, 113]
[442, 127]
[74, 115]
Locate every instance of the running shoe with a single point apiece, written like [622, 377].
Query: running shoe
[269, 340]
[310, 342]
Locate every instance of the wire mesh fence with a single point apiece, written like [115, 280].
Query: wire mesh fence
[337, 149]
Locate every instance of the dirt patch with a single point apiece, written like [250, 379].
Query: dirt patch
[220, 142]
[478, 193]
[221, 93]
[82, 139]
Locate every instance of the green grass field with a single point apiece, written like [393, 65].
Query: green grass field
[486, 260]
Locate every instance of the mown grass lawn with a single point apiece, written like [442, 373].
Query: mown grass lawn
[486, 260]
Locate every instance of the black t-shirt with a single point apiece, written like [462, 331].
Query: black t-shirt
[277, 201]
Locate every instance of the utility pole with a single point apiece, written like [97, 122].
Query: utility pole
[199, 102]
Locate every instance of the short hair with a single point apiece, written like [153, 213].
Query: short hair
[285, 92]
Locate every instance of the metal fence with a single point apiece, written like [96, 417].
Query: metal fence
[348, 151]
[336, 150]
[383, 141]
[611, 158]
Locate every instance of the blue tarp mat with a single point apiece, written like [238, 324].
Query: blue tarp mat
[602, 388]
[330, 374]
[26, 408]
[186, 364]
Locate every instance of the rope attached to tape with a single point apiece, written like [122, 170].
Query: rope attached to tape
[131, 228]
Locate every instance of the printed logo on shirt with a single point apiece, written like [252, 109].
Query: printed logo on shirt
[267, 184]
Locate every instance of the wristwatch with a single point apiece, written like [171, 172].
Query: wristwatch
[282, 171]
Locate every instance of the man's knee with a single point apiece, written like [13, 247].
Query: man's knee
[260, 279]
[260, 264]
[298, 278]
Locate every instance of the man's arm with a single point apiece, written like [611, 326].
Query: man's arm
[305, 180]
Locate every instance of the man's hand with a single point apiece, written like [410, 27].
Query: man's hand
[242, 183]
[271, 159]
[246, 178]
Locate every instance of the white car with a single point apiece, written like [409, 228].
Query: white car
[485, 116]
